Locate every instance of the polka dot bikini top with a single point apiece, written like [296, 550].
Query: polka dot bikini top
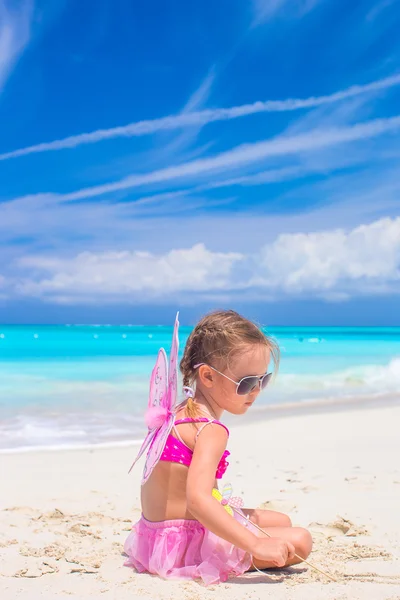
[175, 449]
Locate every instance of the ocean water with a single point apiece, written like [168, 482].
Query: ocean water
[76, 386]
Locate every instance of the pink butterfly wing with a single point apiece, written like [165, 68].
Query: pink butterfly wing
[158, 381]
[157, 394]
[173, 368]
[147, 440]
[158, 443]
[156, 448]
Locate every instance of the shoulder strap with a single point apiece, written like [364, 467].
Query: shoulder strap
[178, 435]
[208, 423]
[189, 420]
[201, 420]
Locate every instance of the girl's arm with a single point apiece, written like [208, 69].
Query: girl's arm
[209, 447]
[207, 453]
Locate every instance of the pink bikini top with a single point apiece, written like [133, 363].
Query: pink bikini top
[177, 451]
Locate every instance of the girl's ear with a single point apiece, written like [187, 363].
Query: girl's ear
[206, 376]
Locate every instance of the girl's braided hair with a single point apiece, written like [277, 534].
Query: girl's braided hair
[218, 338]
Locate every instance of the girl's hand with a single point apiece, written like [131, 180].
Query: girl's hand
[273, 550]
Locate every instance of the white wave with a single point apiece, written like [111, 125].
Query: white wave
[70, 446]
[97, 414]
[69, 430]
[363, 379]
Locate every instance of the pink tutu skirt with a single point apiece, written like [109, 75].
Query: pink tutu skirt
[183, 549]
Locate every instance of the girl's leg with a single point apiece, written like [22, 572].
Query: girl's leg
[299, 537]
[267, 518]
[279, 525]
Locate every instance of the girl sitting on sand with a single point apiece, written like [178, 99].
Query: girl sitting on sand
[184, 532]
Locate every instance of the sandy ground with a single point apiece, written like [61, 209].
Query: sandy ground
[64, 515]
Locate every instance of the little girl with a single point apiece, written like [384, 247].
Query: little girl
[184, 532]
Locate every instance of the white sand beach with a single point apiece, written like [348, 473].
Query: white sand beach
[64, 515]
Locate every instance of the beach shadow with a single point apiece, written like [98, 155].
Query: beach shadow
[268, 576]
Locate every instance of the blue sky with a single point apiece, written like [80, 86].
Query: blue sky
[156, 156]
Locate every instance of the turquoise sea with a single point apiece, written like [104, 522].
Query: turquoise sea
[79, 385]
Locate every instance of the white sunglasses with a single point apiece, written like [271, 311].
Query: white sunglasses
[246, 384]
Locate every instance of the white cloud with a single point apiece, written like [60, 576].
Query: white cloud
[14, 35]
[331, 264]
[127, 275]
[363, 260]
[242, 155]
[193, 118]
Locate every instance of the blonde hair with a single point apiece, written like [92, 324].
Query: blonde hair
[218, 338]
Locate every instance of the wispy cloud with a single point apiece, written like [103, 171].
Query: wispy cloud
[37, 222]
[202, 117]
[261, 178]
[188, 135]
[378, 9]
[15, 27]
[46, 226]
[265, 10]
[243, 155]
[201, 94]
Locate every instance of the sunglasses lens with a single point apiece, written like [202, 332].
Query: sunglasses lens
[247, 385]
[265, 380]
